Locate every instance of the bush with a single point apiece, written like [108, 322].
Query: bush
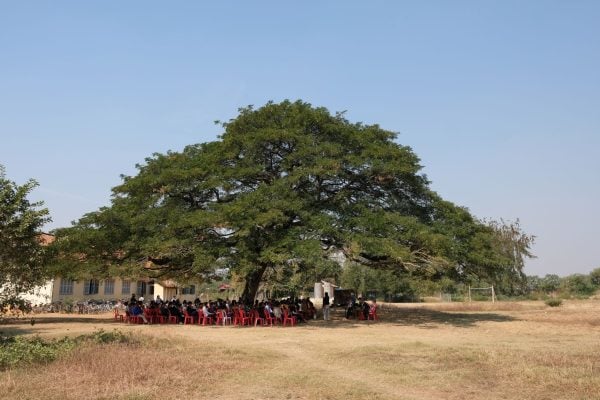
[22, 351]
[553, 302]
[103, 337]
[17, 351]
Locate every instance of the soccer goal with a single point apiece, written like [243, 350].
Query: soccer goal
[489, 290]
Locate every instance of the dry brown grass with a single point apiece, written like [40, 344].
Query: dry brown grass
[516, 351]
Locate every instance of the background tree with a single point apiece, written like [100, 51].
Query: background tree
[577, 285]
[534, 283]
[595, 277]
[288, 187]
[21, 252]
[550, 283]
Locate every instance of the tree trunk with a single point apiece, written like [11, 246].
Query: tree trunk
[252, 283]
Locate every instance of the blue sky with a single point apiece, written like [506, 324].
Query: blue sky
[500, 99]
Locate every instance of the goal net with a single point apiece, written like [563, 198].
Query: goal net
[486, 291]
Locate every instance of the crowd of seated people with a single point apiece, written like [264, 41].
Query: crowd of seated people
[228, 311]
[361, 309]
[301, 310]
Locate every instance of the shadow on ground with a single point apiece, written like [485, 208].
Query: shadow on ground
[420, 317]
[32, 324]
[433, 317]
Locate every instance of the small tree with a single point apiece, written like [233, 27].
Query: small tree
[550, 283]
[21, 252]
[534, 283]
[595, 277]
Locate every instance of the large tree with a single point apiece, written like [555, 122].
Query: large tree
[286, 184]
[21, 250]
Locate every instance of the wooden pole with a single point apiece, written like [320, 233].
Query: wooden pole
[493, 295]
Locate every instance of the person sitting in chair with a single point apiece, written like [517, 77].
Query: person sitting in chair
[191, 310]
[138, 311]
[174, 310]
[365, 309]
[373, 309]
[206, 312]
[268, 311]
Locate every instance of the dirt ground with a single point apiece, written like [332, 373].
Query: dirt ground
[507, 350]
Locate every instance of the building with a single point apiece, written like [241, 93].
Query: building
[60, 289]
[119, 288]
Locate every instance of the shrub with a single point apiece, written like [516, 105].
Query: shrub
[16, 351]
[22, 351]
[103, 337]
[553, 302]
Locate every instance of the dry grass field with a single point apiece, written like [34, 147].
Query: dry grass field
[427, 351]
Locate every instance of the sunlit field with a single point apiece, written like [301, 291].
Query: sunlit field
[509, 350]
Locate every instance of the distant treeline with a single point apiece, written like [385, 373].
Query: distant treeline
[575, 285]
[386, 285]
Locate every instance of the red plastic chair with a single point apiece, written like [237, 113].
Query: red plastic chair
[204, 319]
[172, 318]
[243, 319]
[373, 314]
[161, 319]
[188, 319]
[133, 319]
[219, 317]
[118, 316]
[257, 318]
[149, 315]
[287, 318]
[269, 320]
[361, 315]
[156, 317]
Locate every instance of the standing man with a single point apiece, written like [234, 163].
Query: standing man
[326, 307]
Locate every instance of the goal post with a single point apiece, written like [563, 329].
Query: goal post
[490, 289]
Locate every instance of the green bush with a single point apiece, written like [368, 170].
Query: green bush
[103, 337]
[553, 302]
[17, 351]
[22, 351]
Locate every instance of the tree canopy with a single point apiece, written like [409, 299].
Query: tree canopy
[286, 186]
[21, 250]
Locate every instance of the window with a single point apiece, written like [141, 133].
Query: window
[151, 287]
[141, 288]
[109, 286]
[126, 288]
[91, 287]
[188, 289]
[66, 287]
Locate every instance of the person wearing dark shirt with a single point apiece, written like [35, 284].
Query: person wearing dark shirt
[326, 307]
[365, 309]
[191, 310]
[174, 310]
